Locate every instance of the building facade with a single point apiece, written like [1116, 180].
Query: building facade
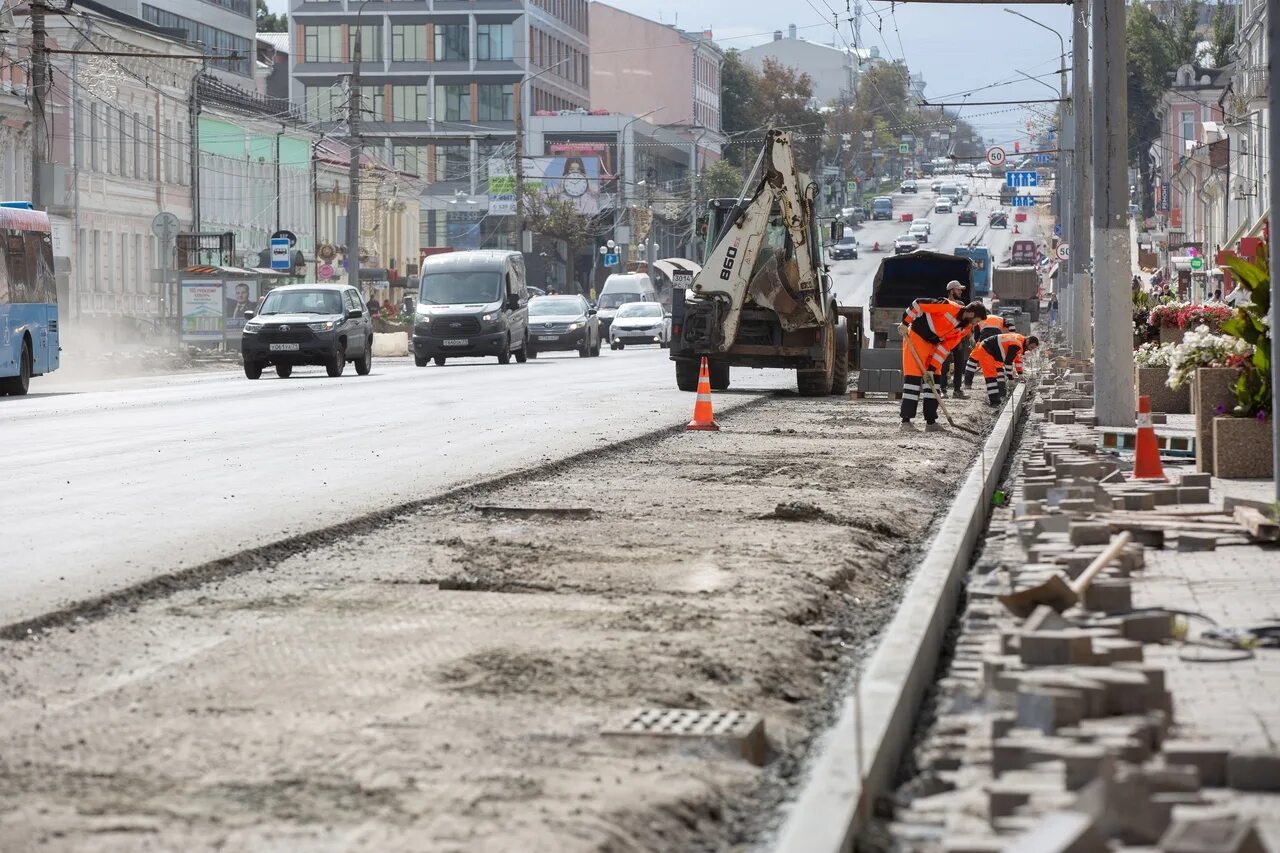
[441, 81]
[1246, 114]
[221, 27]
[833, 70]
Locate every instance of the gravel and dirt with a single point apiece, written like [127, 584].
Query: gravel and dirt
[441, 683]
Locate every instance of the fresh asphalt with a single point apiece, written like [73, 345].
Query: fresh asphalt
[113, 482]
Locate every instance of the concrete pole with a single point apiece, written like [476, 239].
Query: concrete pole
[1081, 329]
[353, 166]
[1065, 180]
[1273, 193]
[1113, 394]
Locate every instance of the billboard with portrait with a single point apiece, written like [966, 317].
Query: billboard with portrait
[576, 178]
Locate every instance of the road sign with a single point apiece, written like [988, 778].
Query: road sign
[280, 259]
[1021, 179]
[165, 226]
[1043, 158]
[995, 156]
[1197, 263]
[286, 235]
[611, 259]
[326, 272]
[1023, 201]
[1064, 251]
[904, 148]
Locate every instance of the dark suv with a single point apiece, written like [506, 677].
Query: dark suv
[324, 324]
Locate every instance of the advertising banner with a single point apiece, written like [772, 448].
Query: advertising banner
[574, 178]
[240, 296]
[203, 311]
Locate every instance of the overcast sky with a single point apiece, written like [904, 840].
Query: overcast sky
[957, 47]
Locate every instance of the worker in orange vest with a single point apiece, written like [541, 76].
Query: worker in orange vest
[999, 356]
[933, 328]
[951, 368]
[993, 325]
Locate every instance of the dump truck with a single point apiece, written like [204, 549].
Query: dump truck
[902, 279]
[980, 257]
[1017, 287]
[763, 297]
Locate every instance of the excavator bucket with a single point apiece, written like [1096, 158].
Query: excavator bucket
[772, 286]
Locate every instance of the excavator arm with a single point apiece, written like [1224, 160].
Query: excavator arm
[766, 253]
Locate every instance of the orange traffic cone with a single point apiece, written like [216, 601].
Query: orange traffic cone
[702, 417]
[1015, 228]
[1146, 463]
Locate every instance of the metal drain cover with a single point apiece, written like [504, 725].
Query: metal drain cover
[739, 732]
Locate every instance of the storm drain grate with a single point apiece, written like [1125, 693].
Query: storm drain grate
[738, 732]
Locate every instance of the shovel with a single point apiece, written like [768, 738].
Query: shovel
[906, 344]
[1057, 593]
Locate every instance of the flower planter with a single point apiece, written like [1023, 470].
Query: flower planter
[1211, 388]
[1170, 335]
[1153, 382]
[1242, 448]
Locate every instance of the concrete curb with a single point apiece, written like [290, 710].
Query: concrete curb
[877, 719]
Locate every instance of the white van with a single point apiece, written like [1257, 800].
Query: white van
[618, 290]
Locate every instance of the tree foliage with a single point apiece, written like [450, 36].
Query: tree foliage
[722, 180]
[269, 23]
[738, 106]
[558, 218]
[776, 96]
[1222, 35]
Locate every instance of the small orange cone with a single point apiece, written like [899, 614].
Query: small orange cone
[1015, 228]
[1146, 463]
[702, 417]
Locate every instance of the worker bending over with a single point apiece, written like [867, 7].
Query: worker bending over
[933, 327]
[992, 326]
[999, 356]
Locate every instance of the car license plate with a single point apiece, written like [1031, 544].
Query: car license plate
[456, 342]
[284, 347]
[548, 337]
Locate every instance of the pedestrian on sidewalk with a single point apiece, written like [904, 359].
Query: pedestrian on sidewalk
[999, 358]
[1053, 310]
[933, 327]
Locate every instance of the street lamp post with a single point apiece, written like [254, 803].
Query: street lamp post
[353, 167]
[519, 119]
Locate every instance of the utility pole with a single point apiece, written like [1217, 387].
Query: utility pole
[1080, 329]
[353, 168]
[39, 92]
[1273, 192]
[650, 244]
[1113, 395]
[519, 117]
[193, 127]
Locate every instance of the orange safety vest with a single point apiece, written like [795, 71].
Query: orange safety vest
[937, 323]
[1006, 348]
[993, 325]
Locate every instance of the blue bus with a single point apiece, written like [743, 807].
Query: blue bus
[28, 298]
[980, 258]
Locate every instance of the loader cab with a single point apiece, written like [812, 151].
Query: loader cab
[719, 211]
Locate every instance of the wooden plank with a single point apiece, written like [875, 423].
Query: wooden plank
[1259, 526]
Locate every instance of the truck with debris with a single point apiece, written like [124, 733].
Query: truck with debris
[763, 297]
[1016, 287]
[902, 279]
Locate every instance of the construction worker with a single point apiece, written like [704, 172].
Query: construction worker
[933, 327]
[959, 355]
[993, 325]
[999, 356]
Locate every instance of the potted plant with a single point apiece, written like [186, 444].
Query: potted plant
[1208, 358]
[1211, 314]
[1164, 318]
[1152, 362]
[1243, 442]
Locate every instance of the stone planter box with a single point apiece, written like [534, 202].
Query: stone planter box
[390, 344]
[1170, 335]
[1151, 382]
[1242, 449]
[1211, 387]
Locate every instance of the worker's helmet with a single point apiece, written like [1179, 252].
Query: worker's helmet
[979, 310]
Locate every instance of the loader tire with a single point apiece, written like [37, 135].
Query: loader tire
[840, 376]
[817, 383]
[719, 375]
[687, 375]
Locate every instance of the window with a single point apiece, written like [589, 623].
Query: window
[495, 103]
[124, 143]
[94, 273]
[452, 43]
[139, 146]
[370, 42]
[324, 103]
[453, 103]
[409, 103]
[93, 137]
[149, 155]
[408, 42]
[493, 41]
[215, 40]
[453, 163]
[322, 44]
[410, 158]
[1188, 126]
[373, 103]
[125, 284]
[139, 272]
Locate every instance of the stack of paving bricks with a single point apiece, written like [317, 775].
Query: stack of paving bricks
[879, 372]
[1050, 732]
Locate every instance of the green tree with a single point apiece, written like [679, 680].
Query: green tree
[722, 180]
[738, 107]
[1222, 35]
[558, 218]
[783, 97]
[269, 23]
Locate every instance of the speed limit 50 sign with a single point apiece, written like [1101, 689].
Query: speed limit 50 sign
[995, 156]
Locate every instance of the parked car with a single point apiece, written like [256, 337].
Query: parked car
[998, 219]
[640, 323]
[942, 205]
[846, 249]
[909, 187]
[904, 244]
[471, 303]
[563, 323]
[968, 216]
[323, 324]
[881, 207]
[920, 231]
